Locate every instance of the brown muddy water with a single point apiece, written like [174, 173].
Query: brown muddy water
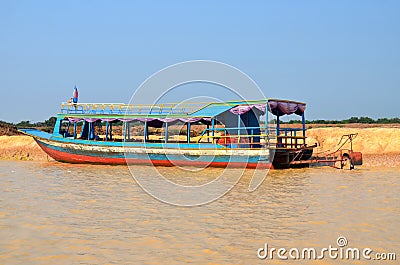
[54, 213]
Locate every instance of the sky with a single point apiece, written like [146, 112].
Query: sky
[340, 57]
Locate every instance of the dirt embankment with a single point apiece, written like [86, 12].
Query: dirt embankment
[8, 130]
[20, 147]
[17, 146]
[380, 146]
[369, 141]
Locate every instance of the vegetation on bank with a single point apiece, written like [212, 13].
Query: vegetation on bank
[361, 120]
[27, 124]
[7, 128]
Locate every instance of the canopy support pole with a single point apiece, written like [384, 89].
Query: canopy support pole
[124, 132]
[74, 130]
[145, 132]
[89, 129]
[277, 126]
[238, 131]
[212, 128]
[166, 132]
[188, 132]
[107, 127]
[303, 121]
[110, 131]
[277, 131]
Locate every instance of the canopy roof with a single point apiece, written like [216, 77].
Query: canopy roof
[286, 107]
[171, 112]
[212, 110]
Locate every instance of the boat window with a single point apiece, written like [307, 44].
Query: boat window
[66, 128]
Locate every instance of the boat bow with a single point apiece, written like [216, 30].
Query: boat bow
[37, 134]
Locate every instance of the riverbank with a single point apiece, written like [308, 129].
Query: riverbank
[369, 141]
[20, 147]
[380, 146]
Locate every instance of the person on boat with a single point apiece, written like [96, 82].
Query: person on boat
[75, 95]
[245, 142]
[74, 99]
[224, 139]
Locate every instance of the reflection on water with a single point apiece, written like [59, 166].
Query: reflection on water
[54, 213]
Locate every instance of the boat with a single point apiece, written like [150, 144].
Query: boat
[200, 134]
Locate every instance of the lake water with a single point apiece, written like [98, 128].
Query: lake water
[54, 213]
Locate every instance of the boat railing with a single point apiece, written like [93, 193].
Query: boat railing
[239, 137]
[269, 130]
[130, 109]
[291, 138]
[290, 130]
[288, 138]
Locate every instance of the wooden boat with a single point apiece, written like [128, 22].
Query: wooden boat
[233, 134]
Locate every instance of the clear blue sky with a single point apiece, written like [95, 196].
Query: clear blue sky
[341, 57]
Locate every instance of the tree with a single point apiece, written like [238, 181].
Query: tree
[50, 122]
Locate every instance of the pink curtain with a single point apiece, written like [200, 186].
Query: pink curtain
[241, 109]
[285, 107]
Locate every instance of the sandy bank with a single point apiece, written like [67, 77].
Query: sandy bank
[380, 146]
[370, 141]
[20, 147]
